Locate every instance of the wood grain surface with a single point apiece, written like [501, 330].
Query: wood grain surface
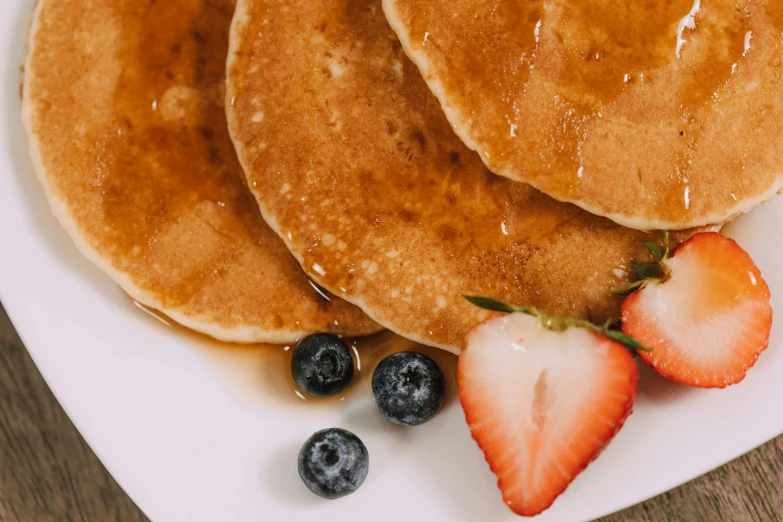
[49, 474]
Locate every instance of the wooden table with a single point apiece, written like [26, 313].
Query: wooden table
[49, 474]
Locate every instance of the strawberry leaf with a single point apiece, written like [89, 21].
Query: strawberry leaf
[558, 323]
[654, 249]
[487, 303]
[647, 270]
[627, 289]
[665, 236]
[625, 340]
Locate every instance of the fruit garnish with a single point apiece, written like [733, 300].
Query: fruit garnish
[655, 271]
[322, 365]
[408, 388]
[706, 316]
[543, 397]
[333, 463]
[557, 323]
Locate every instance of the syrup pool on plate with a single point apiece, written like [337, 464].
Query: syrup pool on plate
[264, 370]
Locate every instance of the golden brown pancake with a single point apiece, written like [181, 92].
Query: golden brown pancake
[653, 114]
[355, 166]
[123, 101]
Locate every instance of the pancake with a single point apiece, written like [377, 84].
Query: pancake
[653, 114]
[123, 102]
[354, 165]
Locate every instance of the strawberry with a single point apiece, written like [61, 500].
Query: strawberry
[542, 397]
[706, 316]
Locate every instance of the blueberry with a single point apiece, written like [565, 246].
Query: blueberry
[408, 388]
[322, 365]
[333, 463]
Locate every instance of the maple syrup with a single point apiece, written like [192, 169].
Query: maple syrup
[264, 370]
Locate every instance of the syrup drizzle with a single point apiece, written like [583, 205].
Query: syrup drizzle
[264, 370]
[559, 83]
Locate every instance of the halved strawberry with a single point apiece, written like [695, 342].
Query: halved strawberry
[707, 323]
[542, 403]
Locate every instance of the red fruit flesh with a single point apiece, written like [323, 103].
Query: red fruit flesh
[708, 324]
[542, 404]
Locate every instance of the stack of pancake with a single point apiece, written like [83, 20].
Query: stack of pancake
[521, 150]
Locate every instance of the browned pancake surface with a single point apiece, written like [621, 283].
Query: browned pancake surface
[655, 114]
[124, 104]
[355, 166]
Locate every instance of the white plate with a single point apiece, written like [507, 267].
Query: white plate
[190, 444]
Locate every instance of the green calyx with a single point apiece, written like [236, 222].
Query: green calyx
[653, 272]
[555, 323]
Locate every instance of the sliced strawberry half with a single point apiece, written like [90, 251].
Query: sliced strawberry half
[542, 404]
[709, 321]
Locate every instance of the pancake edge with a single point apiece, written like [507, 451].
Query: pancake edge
[634, 222]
